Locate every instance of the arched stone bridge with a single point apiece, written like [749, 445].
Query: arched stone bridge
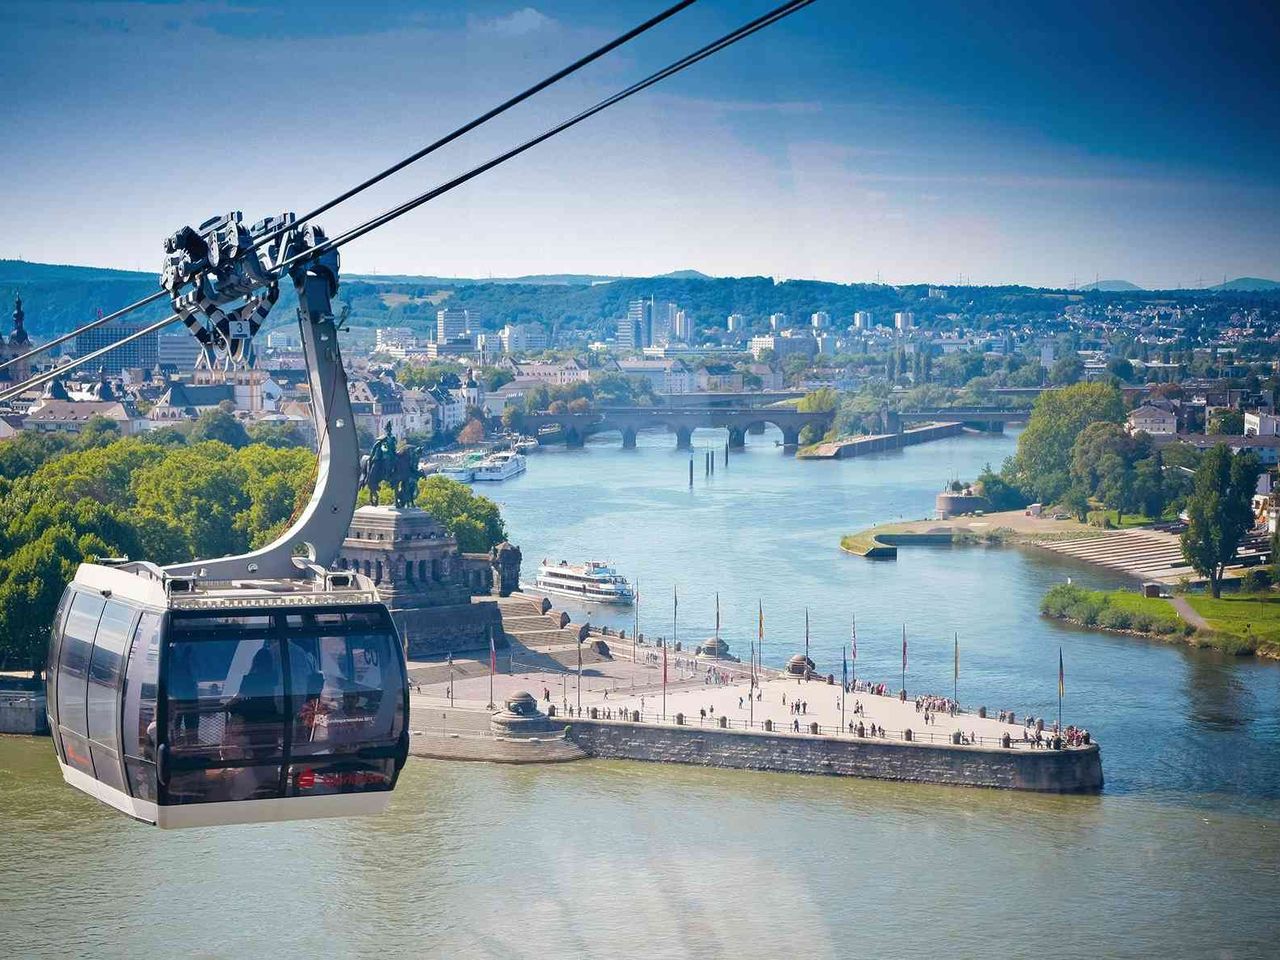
[629, 421]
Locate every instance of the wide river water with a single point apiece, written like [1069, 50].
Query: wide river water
[1178, 857]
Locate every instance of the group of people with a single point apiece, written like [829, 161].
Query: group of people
[716, 677]
[929, 704]
[796, 706]
[866, 686]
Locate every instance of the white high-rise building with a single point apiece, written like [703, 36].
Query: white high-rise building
[736, 320]
[862, 320]
[684, 327]
[904, 320]
[394, 340]
[820, 320]
[523, 338]
[451, 323]
[777, 321]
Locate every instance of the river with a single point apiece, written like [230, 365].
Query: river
[1177, 857]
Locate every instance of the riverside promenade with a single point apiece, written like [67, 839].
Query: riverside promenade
[707, 719]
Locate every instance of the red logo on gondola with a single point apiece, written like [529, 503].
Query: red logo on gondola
[306, 780]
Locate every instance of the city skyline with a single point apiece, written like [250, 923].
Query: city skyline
[997, 144]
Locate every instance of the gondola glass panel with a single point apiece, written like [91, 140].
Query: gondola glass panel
[226, 706]
[73, 679]
[348, 703]
[140, 736]
[105, 668]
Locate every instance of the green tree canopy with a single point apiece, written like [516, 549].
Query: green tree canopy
[1219, 512]
[474, 520]
[222, 426]
[1041, 468]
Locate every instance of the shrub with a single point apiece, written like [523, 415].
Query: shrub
[1257, 580]
[1114, 618]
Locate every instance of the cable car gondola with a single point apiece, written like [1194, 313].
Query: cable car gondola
[251, 688]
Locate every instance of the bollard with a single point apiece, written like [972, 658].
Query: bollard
[1057, 743]
[906, 734]
[768, 726]
[902, 695]
[1005, 741]
[813, 728]
[1085, 738]
[595, 713]
[677, 646]
[982, 712]
[1039, 726]
[862, 730]
[831, 679]
[551, 710]
[955, 737]
[679, 719]
[723, 721]
[635, 716]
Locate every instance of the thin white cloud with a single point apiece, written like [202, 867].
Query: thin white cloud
[514, 24]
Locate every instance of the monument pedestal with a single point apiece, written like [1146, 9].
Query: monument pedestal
[419, 572]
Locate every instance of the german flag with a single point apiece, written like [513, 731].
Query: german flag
[1062, 684]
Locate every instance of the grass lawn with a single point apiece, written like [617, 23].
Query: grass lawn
[1130, 519]
[1242, 615]
[1114, 610]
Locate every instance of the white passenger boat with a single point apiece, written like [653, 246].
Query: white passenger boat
[592, 581]
[500, 466]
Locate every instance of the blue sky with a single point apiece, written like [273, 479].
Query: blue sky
[1000, 141]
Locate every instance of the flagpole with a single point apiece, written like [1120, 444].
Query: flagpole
[904, 658]
[751, 690]
[853, 643]
[1061, 679]
[579, 678]
[664, 680]
[493, 666]
[635, 632]
[806, 633]
[844, 683]
[955, 677]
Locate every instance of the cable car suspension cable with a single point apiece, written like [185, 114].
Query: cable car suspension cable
[393, 213]
[394, 168]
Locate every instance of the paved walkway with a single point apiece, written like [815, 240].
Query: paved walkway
[1188, 613]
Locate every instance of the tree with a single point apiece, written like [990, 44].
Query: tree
[1227, 423]
[513, 418]
[1076, 502]
[580, 405]
[998, 491]
[220, 425]
[822, 400]
[1066, 371]
[278, 435]
[1219, 512]
[1041, 467]
[474, 520]
[471, 433]
[1121, 369]
[97, 431]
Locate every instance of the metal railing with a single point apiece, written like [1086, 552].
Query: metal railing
[722, 722]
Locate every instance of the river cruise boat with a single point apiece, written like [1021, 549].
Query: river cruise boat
[499, 466]
[592, 581]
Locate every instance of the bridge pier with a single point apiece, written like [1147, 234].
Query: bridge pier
[790, 438]
[684, 438]
[737, 438]
[573, 439]
[628, 439]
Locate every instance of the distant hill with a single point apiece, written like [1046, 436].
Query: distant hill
[59, 298]
[1248, 284]
[1113, 286]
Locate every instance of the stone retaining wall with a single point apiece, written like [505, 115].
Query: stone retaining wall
[1053, 771]
[23, 712]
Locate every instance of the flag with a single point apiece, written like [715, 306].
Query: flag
[853, 641]
[1062, 685]
[664, 663]
[904, 646]
[675, 598]
[493, 655]
[844, 670]
[760, 630]
[717, 613]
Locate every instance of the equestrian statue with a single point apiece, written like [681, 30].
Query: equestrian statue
[385, 464]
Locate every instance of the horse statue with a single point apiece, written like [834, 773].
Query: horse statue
[386, 464]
